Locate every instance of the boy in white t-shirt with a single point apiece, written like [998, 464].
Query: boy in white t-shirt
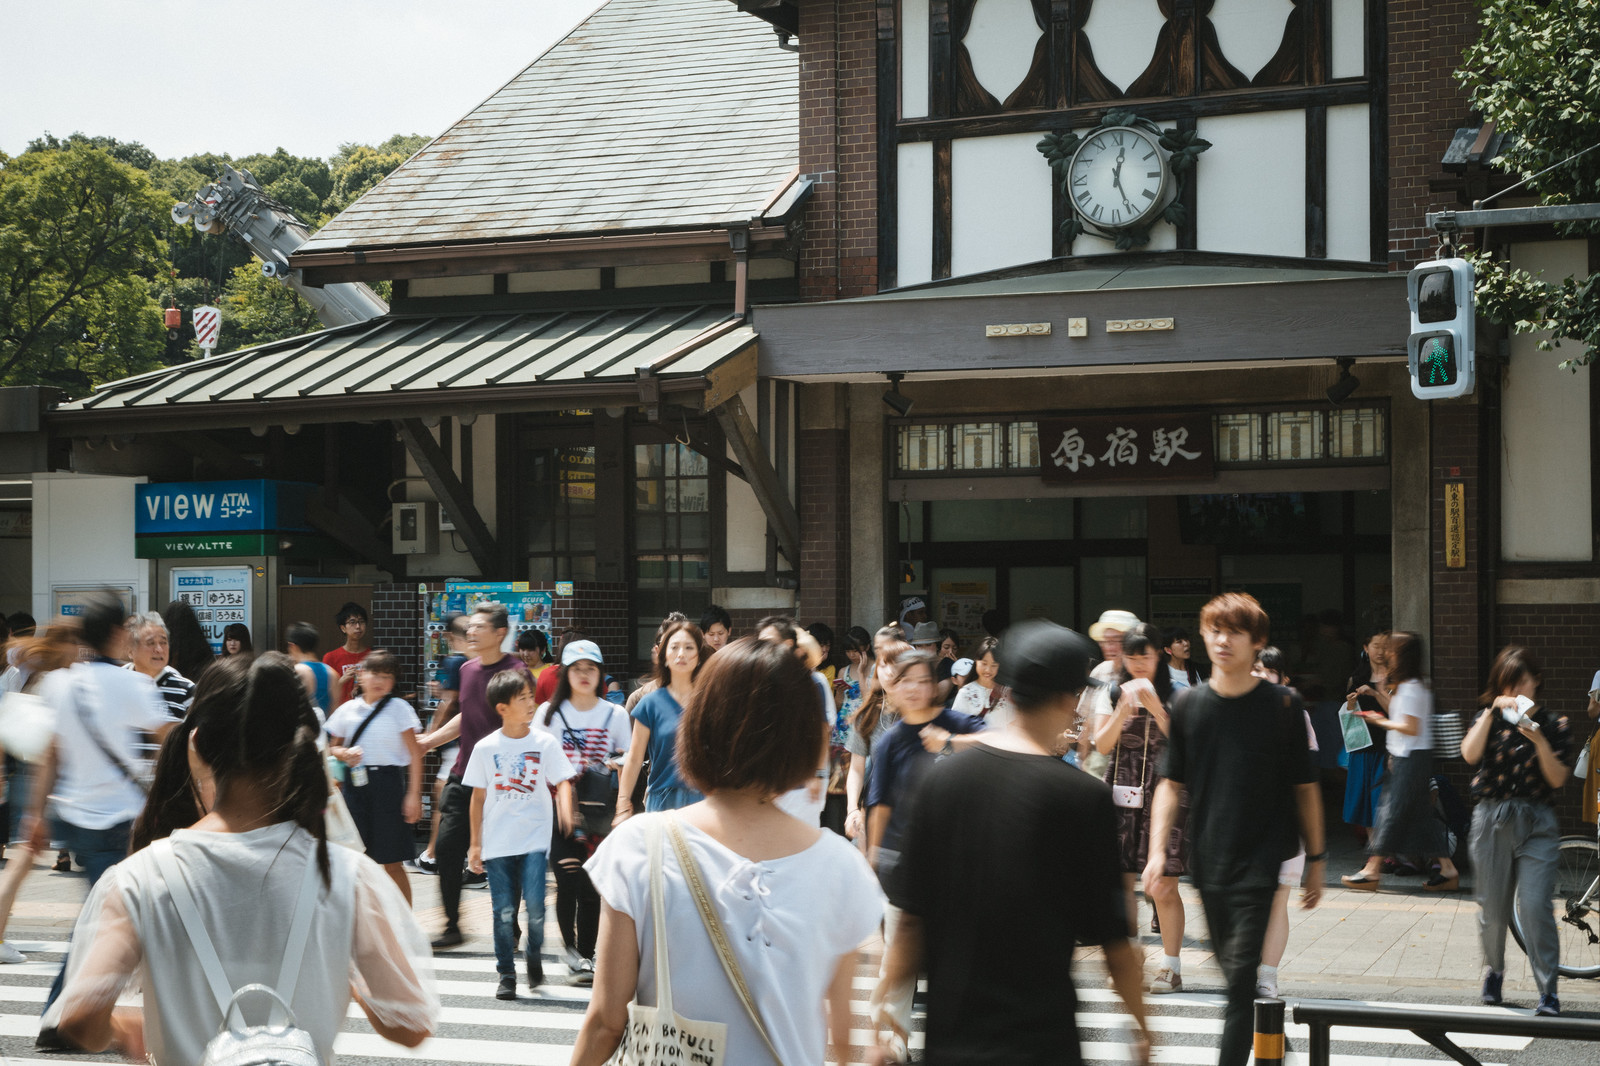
[375, 736]
[512, 772]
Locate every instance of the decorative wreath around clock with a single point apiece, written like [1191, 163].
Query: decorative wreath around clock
[1091, 170]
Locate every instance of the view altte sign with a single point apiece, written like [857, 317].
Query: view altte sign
[1126, 448]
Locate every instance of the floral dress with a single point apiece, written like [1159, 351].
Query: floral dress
[1135, 761]
[838, 754]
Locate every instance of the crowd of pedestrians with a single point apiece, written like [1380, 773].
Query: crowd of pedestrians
[826, 788]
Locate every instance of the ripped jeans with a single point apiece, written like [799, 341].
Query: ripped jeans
[514, 878]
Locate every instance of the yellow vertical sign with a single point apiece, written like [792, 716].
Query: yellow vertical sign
[1455, 524]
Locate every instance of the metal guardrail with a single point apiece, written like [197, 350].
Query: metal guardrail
[1430, 1025]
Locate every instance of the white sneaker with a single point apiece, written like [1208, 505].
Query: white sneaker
[585, 975]
[1166, 981]
[573, 960]
[11, 954]
[1267, 988]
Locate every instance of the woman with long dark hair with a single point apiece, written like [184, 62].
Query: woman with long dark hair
[245, 864]
[1406, 824]
[655, 723]
[1136, 728]
[191, 650]
[875, 716]
[1523, 753]
[593, 731]
[1367, 692]
[236, 640]
[983, 696]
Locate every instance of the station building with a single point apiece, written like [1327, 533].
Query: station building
[778, 304]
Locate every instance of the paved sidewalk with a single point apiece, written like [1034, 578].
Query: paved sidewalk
[1400, 942]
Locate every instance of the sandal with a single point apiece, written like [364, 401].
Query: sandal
[1438, 883]
[1360, 882]
[63, 864]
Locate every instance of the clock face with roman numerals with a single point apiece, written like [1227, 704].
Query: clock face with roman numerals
[1118, 179]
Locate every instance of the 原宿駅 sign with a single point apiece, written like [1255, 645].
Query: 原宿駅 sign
[1140, 447]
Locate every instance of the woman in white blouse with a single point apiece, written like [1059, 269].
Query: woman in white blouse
[981, 696]
[796, 900]
[1407, 824]
[251, 739]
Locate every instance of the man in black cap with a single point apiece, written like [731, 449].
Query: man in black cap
[1008, 861]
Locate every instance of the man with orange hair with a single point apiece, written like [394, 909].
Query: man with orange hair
[1238, 744]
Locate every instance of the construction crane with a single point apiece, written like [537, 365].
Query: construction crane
[235, 204]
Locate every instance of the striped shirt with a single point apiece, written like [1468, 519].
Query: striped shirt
[177, 693]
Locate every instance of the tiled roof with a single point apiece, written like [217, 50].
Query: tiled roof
[650, 114]
[396, 357]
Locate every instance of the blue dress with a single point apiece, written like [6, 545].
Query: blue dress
[666, 791]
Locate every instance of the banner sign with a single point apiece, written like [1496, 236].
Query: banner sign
[1137, 447]
[219, 506]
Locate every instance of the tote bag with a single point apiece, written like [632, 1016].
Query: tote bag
[658, 1036]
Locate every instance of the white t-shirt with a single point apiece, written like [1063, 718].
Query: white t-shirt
[516, 775]
[1411, 700]
[595, 735]
[970, 699]
[90, 791]
[1180, 678]
[381, 744]
[789, 920]
[246, 886]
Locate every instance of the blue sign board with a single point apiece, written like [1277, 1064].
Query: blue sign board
[220, 506]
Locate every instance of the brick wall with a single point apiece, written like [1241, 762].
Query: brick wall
[823, 460]
[396, 627]
[1562, 635]
[1426, 105]
[1457, 674]
[838, 145]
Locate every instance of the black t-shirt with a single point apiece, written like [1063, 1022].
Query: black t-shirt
[1010, 860]
[1240, 759]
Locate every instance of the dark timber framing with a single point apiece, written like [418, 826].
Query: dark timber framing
[436, 466]
[1074, 103]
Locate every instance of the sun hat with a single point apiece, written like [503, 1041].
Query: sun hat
[1116, 621]
[925, 633]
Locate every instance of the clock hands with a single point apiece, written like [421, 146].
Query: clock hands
[1116, 178]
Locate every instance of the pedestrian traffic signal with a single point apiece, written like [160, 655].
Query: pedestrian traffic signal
[1440, 350]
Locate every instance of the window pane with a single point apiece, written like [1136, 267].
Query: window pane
[694, 495]
[1111, 583]
[978, 446]
[691, 463]
[923, 448]
[1114, 518]
[1024, 444]
[1360, 434]
[1239, 438]
[694, 531]
[970, 520]
[1294, 435]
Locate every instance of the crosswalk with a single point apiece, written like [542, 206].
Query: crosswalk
[539, 1029]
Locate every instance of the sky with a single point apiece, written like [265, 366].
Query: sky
[184, 77]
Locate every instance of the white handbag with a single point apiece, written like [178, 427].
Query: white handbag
[27, 725]
[658, 1036]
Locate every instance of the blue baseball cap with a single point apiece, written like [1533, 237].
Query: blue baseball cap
[581, 649]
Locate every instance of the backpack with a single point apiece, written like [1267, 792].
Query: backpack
[281, 1042]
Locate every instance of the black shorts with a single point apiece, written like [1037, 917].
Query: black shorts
[376, 808]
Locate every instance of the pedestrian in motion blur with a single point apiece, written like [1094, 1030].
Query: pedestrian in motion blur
[1007, 844]
[796, 900]
[1238, 744]
[246, 863]
[1523, 753]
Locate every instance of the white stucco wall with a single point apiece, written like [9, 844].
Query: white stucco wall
[83, 536]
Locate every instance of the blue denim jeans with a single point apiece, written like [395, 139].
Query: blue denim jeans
[97, 850]
[514, 877]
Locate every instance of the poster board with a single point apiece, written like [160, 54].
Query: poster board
[220, 596]
[960, 605]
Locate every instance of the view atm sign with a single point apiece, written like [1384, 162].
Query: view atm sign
[208, 507]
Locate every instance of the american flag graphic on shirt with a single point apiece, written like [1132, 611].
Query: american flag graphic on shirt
[516, 772]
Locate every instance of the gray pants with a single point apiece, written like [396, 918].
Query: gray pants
[1514, 846]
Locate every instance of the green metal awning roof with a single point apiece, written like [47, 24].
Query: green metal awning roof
[400, 366]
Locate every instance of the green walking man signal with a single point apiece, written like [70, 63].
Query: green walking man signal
[1440, 348]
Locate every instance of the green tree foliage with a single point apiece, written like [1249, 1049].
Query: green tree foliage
[1533, 72]
[79, 249]
[89, 253]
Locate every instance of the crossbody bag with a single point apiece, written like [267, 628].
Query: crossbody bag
[357, 774]
[596, 788]
[1131, 796]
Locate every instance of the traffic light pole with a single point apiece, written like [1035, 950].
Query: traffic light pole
[1451, 221]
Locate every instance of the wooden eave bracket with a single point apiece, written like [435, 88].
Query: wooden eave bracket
[452, 495]
[763, 479]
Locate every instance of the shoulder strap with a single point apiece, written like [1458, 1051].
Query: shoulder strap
[577, 738]
[194, 926]
[713, 924]
[362, 728]
[100, 741]
[658, 917]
